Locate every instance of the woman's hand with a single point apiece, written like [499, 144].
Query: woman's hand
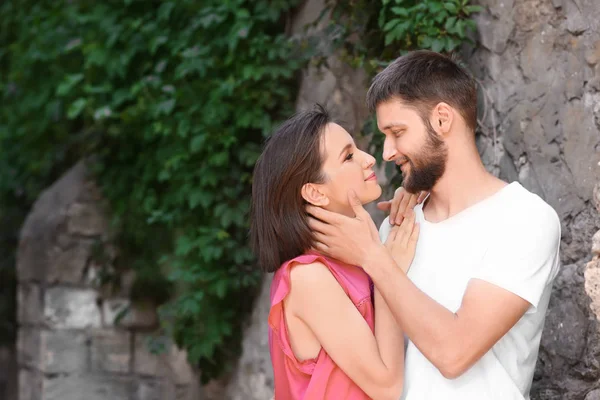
[402, 241]
[402, 202]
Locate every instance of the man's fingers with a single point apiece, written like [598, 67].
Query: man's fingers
[356, 204]
[324, 215]
[319, 226]
[384, 205]
[320, 238]
[321, 248]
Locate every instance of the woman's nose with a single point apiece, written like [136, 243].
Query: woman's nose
[369, 160]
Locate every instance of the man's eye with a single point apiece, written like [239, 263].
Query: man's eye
[349, 157]
[397, 133]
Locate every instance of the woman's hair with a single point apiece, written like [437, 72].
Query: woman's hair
[292, 157]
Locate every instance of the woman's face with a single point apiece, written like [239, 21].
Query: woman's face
[345, 167]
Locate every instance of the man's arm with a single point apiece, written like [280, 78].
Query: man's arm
[453, 342]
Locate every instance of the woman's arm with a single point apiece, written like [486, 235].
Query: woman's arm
[373, 362]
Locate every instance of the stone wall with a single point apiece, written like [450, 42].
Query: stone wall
[76, 340]
[538, 62]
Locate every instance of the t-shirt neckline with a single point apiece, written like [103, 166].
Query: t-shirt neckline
[469, 209]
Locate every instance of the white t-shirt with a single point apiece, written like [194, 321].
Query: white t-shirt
[511, 240]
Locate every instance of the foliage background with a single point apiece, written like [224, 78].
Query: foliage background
[170, 102]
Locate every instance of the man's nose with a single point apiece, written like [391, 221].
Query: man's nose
[389, 150]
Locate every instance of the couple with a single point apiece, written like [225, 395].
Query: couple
[465, 276]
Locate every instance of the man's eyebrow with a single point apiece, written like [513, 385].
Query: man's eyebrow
[394, 125]
[346, 147]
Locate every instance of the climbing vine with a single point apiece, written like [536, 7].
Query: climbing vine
[170, 102]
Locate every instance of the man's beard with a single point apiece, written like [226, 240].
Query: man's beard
[428, 166]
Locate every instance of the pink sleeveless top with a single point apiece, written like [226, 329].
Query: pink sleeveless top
[319, 378]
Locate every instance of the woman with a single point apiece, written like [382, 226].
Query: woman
[324, 340]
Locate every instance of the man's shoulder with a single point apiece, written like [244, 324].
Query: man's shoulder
[525, 213]
[529, 206]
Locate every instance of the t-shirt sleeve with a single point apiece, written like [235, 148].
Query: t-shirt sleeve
[384, 229]
[524, 257]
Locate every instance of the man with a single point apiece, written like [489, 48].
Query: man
[474, 300]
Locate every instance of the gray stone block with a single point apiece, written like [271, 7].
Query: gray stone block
[87, 387]
[171, 364]
[29, 304]
[63, 352]
[29, 348]
[138, 316]
[52, 352]
[110, 351]
[68, 265]
[71, 308]
[86, 219]
[30, 385]
[147, 389]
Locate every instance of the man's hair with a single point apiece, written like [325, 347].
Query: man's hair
[292, 157]
[423, 79]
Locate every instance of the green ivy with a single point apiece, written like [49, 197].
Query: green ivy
[441, 26]
[170, 102]
[173, 99]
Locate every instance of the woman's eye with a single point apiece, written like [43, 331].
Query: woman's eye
[349, 157]
[397, 133]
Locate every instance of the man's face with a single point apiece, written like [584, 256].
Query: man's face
[413, 145]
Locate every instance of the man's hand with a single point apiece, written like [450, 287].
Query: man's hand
[347, 239]
[402, 241]
[402, 202]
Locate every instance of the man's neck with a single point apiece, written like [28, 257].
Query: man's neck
[464, 183]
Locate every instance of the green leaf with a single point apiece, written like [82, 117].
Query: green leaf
[391, 24]
[68, 84]
[165, 107]
[450, 23]
[437, 45]
[76, 108]
[403, 12]
[472, 9]
[451, 7]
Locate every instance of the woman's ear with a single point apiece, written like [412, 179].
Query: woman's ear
[312, 193]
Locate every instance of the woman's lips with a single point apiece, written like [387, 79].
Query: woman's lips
[371, 177]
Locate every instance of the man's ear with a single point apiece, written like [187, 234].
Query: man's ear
[442, 117]
[313, 194]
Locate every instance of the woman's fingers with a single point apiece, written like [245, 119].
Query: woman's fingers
[398, 194]
[392, 236]
[403, 207]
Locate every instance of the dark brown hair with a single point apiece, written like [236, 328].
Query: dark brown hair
[423, 79]
[292, 157]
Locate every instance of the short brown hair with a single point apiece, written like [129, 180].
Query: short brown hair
[292, 157]
[423, 79]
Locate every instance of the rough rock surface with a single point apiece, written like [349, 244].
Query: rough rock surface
[70, 345]
[538, 62]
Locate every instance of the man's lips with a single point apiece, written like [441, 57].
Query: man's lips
[371, 177]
